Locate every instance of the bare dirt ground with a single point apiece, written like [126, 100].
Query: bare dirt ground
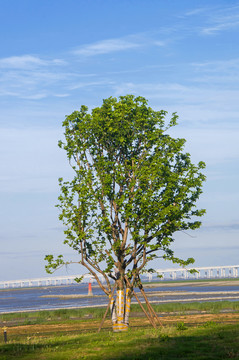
[92, 325]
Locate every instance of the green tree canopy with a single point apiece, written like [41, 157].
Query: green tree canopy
[133, 188]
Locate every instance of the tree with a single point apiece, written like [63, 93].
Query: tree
[133, 188]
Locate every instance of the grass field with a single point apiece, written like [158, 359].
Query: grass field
[38, 317]
[190, 331]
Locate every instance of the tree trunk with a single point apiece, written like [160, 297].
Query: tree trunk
[127, 307]
[120, 310]
[113, 314]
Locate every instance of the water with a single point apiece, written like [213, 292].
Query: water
[29, 299]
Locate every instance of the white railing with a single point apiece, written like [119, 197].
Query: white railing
[45, 281]
[229, 271]
[206, 272]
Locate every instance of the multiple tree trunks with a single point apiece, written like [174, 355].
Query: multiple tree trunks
[120, 310]
[133, 188]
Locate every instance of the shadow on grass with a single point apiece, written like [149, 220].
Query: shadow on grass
[210, 343]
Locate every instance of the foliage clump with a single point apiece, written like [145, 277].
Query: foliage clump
[133, 188]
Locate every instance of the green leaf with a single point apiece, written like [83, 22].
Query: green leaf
[132, 188]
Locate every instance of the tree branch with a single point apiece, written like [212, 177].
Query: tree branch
[84, 263]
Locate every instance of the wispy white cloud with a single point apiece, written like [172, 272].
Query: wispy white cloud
[34, 78]
[26, 62]
[218, 65]
[220, 27]
[30, 77]
[180, 93]
[37, 96]
[195, 11]
[84, 84]
[221, 20]
[209, 116]
[209, 20]
[22, 62]
[106, 47]
[223, 72]
[159, 43]
[32, 82]
[221, 227]
[61, 95]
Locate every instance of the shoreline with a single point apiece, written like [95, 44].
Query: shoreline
[192, 300]
[149, 294]
[162, 283]
[157, 293]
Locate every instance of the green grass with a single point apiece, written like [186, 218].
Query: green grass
[207, 341]
[211, 342]
[39, 317]
[212, 307]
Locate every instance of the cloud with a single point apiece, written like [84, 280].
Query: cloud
[21, 62]
[208, 119]
[33, 83]
[220, 227]
[26, 62]
[61, 95]
[35, 78]
[80, 85]
[195, 11]
[224, 71]
[158, 43]
[219, 74]
[109, 46]
[209, 20]
[220, 27]
[33, 97]
[222, 20]
[183, 95]
[32, 78]
[106, 47]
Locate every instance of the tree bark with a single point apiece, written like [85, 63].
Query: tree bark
[111, 306]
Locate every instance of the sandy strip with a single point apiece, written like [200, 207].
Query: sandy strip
[7, 298]
[194, 300]
[73, 296]
[193, 283]
[186, 293]
[149, 294]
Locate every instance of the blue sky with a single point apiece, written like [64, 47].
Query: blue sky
[56, 55]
